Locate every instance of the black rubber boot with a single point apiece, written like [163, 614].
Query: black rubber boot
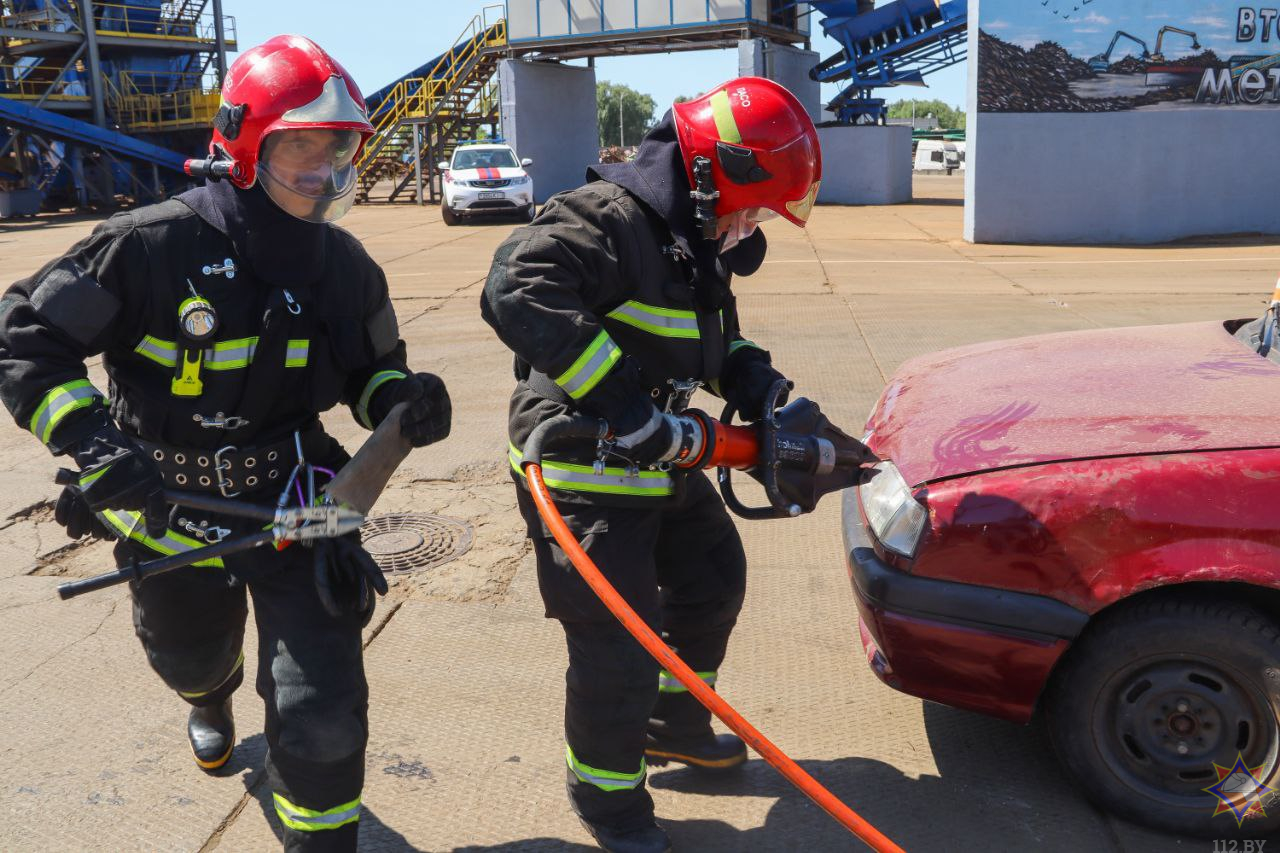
[643, 839]
[212, 732]
[712, 752]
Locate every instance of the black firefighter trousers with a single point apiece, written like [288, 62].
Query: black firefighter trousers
[683, 570]
[310, 676]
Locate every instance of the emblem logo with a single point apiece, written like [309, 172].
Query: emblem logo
[1240, 791]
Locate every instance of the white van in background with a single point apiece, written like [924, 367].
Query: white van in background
[937, 155]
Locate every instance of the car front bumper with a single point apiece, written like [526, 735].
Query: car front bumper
[979, 648]
[469, 201]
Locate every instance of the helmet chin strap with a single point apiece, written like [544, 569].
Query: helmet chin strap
[704, 196]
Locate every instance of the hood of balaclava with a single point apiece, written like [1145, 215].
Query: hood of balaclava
[279, 248]
[658, 178]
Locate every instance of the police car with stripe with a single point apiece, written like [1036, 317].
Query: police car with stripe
[486, 178]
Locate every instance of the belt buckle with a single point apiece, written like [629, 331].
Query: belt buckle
[220, 465]
[221, 421]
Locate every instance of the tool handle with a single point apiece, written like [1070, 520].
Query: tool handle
[80, 587]
[363, 479]
[142, 571]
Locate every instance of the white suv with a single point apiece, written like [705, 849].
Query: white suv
[485, 178]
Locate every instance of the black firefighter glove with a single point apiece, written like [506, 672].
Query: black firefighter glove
[114, 474]
[74, 514]
[345, 574]
[746, 382]
[430, 412]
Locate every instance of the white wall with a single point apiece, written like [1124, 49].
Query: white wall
[786, 65]
[865, 165]
[1131, 177]
[1137, 177]
[549, 116]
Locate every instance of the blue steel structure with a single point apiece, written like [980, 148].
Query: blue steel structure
[897, 44]
[100, 98]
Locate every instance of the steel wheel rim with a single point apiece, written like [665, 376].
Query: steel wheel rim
[1161, 724]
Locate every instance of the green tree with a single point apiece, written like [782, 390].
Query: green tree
[636, 109]
[950, 118]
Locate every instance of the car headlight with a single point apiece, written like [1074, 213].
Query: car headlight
[897, 519]
[520, 181]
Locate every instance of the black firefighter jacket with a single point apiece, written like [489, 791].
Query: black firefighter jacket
[603, 305]
[277, 359]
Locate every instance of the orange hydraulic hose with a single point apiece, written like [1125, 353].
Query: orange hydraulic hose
[671, 662]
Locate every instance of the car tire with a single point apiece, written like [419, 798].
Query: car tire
[1153, 696]
[447, 214]
[528, 212]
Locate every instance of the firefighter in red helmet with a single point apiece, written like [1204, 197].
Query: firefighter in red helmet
[229, 318]
[617, 303]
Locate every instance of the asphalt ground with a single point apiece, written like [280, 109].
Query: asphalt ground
[466, 675]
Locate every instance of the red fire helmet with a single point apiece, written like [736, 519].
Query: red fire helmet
[287, 83]
[762, 145]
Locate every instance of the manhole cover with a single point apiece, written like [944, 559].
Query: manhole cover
[408, 542]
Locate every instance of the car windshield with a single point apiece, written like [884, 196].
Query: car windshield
[484, 158]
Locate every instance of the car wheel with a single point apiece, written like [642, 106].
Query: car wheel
[447, 214]
[528, 212]
[1152, 697]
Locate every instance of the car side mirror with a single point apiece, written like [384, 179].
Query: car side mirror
[526, 162]
[442, 166]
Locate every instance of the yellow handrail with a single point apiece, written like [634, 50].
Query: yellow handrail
[170, 21]
[143, 108]
[31, 82]
[419, 97]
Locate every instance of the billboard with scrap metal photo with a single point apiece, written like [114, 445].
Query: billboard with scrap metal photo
[1037, 56]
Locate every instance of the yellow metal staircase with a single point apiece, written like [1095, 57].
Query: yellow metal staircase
[458, 94]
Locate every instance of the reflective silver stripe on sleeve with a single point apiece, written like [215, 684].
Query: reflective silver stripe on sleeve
[60, 402]
[590, 367]
[665, 322]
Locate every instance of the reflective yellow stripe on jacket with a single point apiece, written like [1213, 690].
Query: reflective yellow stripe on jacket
[664, 322]
[568, 477]
[130, 525]
[234, 354]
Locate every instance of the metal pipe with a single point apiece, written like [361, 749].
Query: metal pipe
[90, 27]
[417, 160]
[220, 37]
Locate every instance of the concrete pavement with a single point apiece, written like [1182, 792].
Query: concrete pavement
[466, 675]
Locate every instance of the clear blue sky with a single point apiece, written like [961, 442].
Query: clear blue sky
[380, 40]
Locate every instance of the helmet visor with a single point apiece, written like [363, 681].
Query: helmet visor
[310, 173]
[801, 208]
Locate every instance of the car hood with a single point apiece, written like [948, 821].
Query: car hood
[1076, 395]
[503, 174]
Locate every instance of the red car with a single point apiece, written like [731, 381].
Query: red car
[1088, 525]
